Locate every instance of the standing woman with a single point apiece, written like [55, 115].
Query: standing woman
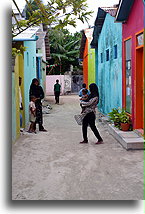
[90, 114]
[37, 91]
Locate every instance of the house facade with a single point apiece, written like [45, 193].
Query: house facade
[84, 57]
[87, 54]
[25, 67]
[107, 41]
[144, 66]
[131, 14]
[29, 72]
[18, 70]
[91, 58]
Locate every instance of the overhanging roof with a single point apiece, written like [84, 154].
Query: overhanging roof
[27, 35]
[82, 47]
[124, 10]
[98, 26]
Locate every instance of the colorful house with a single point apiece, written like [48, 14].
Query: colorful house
[18, 70]
[144, 69]
[131, 14]
[91, 57]
[107, 40]
[25, 67]
[88, 57]
[84, 57]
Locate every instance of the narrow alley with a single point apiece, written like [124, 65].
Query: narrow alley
[54, 166]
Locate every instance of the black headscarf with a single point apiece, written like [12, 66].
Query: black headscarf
[36, 90]
[93, 91]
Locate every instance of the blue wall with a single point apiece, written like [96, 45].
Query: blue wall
[110, 72]
[29, 72]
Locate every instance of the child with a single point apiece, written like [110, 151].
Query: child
[84, 98]
[32, 115]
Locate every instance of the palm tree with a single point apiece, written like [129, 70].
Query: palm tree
[64, 48]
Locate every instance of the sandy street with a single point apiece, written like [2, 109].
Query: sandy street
[54, 166]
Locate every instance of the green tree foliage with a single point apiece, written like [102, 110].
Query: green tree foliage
[57, 13]
[30, 8]
[64, 49]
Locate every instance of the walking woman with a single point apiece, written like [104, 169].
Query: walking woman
[37, 91]
[90, 114]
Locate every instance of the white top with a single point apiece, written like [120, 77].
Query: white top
[20, 97]
[32, 105]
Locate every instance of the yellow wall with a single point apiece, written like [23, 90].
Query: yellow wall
[19, 71]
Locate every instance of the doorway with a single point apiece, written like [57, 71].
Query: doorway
[139, 114]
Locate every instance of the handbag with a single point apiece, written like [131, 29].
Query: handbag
[79, 119]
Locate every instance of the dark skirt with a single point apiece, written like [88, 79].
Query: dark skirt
[39, 118]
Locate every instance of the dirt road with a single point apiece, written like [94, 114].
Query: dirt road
[54, 166]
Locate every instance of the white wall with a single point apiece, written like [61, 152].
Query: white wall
[64, 81]
[51, 80]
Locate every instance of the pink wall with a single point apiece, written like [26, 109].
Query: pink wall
[135, 21]
[51, 80]
[133, 25]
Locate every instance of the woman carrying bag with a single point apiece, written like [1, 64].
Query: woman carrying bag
[89, 114]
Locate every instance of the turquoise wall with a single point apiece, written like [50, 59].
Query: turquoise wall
[109, 72]
[41, 69]
[29, 73]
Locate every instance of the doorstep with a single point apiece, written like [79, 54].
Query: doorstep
[128, 139]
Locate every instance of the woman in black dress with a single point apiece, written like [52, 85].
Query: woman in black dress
[37, 91]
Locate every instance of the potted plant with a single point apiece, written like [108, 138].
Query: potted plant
[124, 120]
[114, 116]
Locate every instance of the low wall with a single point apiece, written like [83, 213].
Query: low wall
[64, 81]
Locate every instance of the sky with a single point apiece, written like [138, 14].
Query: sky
[92, 6]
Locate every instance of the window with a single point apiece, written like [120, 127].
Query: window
[140, 39]
[33, 61]
[128, 75]
[101, 57]
[115, 51]
[107, 55]
[27, 59]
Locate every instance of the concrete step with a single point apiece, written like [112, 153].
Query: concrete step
[128, 139]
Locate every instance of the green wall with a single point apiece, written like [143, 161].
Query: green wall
[13, 108]
[91, 66]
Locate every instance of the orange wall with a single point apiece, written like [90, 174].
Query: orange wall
[85, 64]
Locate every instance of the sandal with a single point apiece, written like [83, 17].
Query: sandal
[99, 142]
[84, 141]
